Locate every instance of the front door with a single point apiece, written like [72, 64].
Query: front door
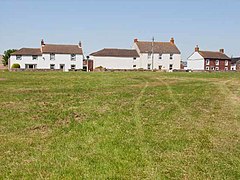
[62, 67]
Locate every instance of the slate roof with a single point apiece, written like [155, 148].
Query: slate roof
[62, 49]
[28, 52]
[235, 60]
[158, 47]
[213, 55]
[107, 52]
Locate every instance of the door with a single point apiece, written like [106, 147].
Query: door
[62, 67]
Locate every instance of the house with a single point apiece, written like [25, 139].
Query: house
[209, 61]
[158, 55]
[49, 56]
[235, 64]
[115, 58]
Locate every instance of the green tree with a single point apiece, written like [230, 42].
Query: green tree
[6, 56]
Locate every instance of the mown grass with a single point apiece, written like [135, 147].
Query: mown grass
[130, 125]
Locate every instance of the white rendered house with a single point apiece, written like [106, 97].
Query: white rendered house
[158, 55]
[49, 56]
[209, 61]
[115, 59]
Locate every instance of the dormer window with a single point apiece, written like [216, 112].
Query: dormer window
[160, 56]
[52, 56]
[171, 56]
[73, 57]
[18, 57]
[217, 62]
[34, 58]
[207, 62]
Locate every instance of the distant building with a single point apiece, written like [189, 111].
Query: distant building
[115, 59]
[209, 61]
[158, 55]
[49, 56]
[144, 55]
[235, 64]
[1, 63]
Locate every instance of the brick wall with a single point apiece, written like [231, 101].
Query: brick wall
[221, 65]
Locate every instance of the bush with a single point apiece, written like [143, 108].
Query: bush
[17, 66]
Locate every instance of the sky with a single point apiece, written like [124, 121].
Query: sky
[211, 24]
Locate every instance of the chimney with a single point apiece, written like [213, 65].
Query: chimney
[221, 51]
[135, 40]
[80, 44]
[197, 49]
[42, 42]
[172, 41]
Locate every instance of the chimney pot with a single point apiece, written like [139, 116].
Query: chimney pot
[221, 51]
[197, 48]
[42, 42]
[80, 44]
[172, 40]
[135, 40]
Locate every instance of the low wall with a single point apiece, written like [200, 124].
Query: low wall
[40, 70]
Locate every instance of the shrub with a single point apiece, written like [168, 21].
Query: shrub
[16, 66]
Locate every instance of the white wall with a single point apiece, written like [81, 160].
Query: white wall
[233, 67]
[164, 62]
[195, 62]
[114, 62]
[44, 61]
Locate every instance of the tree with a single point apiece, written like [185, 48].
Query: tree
[6, 56]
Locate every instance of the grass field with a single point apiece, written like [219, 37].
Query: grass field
[129, 125]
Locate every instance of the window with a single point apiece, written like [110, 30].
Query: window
[73, 66]
[149, 66]
[73, 57]
[52, 66]
[171, 56]
[149, 55]
[170, 66]
[62, 66]
[217, 68]
[18, 57]
[207, 68]
[134, 59]
[34, 57]
[160, 56]
[226, 68]
[52, 56]
[207, 62]
[226, 63]
[217, 62]
[134, 66]
[30, 66]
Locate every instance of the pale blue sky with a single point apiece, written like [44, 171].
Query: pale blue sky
[212, 24]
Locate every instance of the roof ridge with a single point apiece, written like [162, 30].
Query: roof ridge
[119, 49]
[63, 44]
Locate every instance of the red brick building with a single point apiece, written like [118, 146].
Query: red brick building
[209, 60]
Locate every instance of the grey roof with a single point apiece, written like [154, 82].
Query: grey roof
[235, 60]
[158, 47]
[108, 52]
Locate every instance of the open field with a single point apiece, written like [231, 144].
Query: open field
[119, 125]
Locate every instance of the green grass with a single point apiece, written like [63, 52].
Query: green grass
[129, 125]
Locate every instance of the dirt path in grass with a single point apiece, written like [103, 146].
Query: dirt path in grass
[140, 132]
[171, 94]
